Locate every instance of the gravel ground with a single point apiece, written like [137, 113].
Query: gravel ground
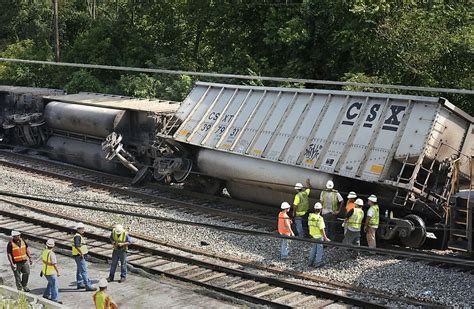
[402, 278]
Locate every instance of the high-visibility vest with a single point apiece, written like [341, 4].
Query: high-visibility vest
[82, 246]
[102, 300]
[283, 223]
[48, 267]
[119, 238]
[19, 252]
[333, 197]
[314, 223]
[355, 221]
[374, 220]
[302, 207]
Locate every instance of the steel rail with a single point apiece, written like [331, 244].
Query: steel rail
[287, 285]
[260, 211]
[239, 76]
[444, 261]
[128, 180]
[246, 263]
[466, 264]
[145, 196]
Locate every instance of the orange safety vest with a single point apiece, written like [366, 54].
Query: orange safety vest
[349, 206]
[102, 301]
[19, 253]
[283, 223]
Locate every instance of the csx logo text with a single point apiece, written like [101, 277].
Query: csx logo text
[391, 123]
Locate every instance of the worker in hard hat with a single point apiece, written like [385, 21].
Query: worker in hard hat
[120, 240]
[353, 224]
[79, 252]
[284, 228]
[20, 260]
[101, 299]
[372, 221]
[316, 231]
[332, 202]
[51, 272]
[351, 197]
[301, 206]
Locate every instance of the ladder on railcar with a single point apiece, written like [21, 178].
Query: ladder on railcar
[418, 178]
[461, 221]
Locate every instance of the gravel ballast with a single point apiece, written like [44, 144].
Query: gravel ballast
[398, 277]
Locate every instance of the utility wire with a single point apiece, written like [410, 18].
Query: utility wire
[239, 76]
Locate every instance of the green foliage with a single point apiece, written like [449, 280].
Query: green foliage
[20, 303]
[397, 42]
[146, 86]
[23, 74]
[83, 80]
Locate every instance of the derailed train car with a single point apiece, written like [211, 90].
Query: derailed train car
[412, 151]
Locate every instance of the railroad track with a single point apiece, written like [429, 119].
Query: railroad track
[234, 282]
[227, 210]
[120, 185]
[268, 270]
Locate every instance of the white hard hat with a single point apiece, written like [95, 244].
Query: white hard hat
[15, 233]
[299, 186]
[119, 228]
[352, 194]
[359, 202]
[373, 198]
[329, 184]
[285, 205]
[318, 205]
[103, 283]
[80, 225]
[50, 243]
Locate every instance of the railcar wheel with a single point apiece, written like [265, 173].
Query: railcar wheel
[417, 238]
[140, 176]
[181, 174]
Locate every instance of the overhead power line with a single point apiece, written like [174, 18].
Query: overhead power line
[238, 76]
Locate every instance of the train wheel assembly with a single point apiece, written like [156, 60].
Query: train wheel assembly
[417, 237]
[179, 175]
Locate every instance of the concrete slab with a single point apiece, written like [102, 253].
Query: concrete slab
[136, 292]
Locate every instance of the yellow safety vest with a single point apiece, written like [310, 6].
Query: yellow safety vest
[333, 199]
[303, 205]
[82, 247]
[119, 238]
[355, 221]
[101, 300]
[48, 267]
[375, 219]
[315, 223]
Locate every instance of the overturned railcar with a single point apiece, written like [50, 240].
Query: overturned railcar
[412, 151]
[21, 114]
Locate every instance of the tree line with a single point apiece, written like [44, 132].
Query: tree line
[420, 43]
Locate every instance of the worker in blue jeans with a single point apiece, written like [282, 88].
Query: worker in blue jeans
[316, 231]
[79, 252]
[51, 272]
[120, 240]
[300, 206]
